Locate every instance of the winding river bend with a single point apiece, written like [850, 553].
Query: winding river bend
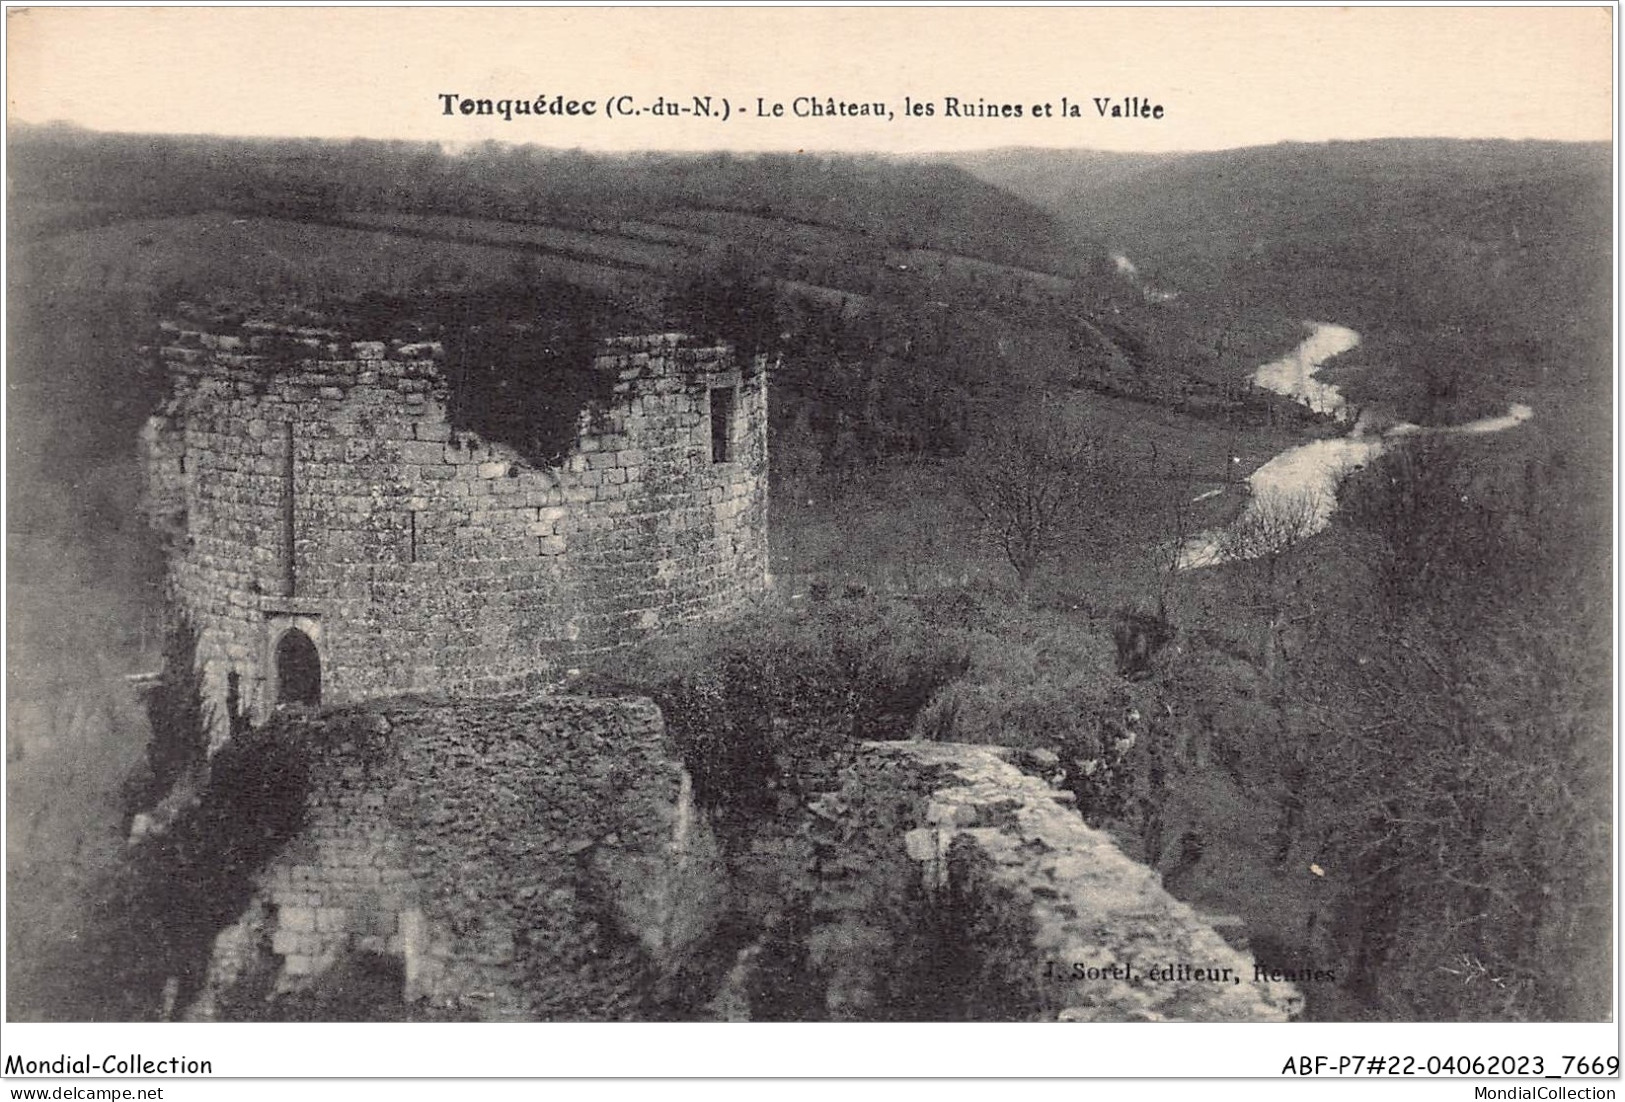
[1302, 480]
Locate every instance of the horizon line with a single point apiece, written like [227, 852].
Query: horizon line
[68, 126]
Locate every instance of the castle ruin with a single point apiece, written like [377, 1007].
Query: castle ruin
[473, 853]
[334, 537]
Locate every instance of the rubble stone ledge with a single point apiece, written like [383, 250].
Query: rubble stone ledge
[1108, 943]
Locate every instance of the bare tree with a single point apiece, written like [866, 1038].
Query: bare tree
[1168, 554]
[1266, 538]
[1034, 481]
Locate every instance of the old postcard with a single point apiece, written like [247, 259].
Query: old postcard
[571, 516]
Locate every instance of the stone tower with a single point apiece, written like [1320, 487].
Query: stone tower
[334, 538]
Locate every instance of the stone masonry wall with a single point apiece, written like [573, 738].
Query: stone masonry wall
[424, 559]
[1059, 918]
[540, 859]
[939, 882]
[524, 859]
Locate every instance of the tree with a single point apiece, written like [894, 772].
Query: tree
[177, 716]
[1456, 711]
[1439, 536]
[1036, 480]
[1462, 804]
[728, 298]
[1264, 542]
[1169, 553]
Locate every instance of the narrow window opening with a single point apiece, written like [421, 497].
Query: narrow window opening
[722, 423]
[289, 568]
[411, 537]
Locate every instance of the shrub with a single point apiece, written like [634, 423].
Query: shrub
[156, 913]
[767, 703]
[177, 718]
[1044, 681]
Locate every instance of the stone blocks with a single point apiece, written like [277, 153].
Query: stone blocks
[1085, 901]
[462, 839]
[432, 559]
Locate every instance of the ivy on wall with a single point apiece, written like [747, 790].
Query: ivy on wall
[519, 355]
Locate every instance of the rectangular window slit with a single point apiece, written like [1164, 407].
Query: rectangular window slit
[290, 567]
[722, 423]
[411, 537]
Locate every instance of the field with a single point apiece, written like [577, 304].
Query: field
[273, 256]
[601, 248]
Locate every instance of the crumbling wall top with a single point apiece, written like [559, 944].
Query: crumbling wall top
[1119, 947]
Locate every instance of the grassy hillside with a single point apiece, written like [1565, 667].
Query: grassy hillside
[892, 203]
[1049, 177]
[913, 278]
[1477, 272]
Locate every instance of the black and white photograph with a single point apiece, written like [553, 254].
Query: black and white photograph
[816, 515]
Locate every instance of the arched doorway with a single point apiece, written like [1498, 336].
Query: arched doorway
[298, 670]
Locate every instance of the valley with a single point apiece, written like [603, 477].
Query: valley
[1376, 736]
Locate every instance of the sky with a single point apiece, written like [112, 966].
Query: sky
[1224, 77]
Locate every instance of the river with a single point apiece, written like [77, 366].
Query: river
[1298, 488]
